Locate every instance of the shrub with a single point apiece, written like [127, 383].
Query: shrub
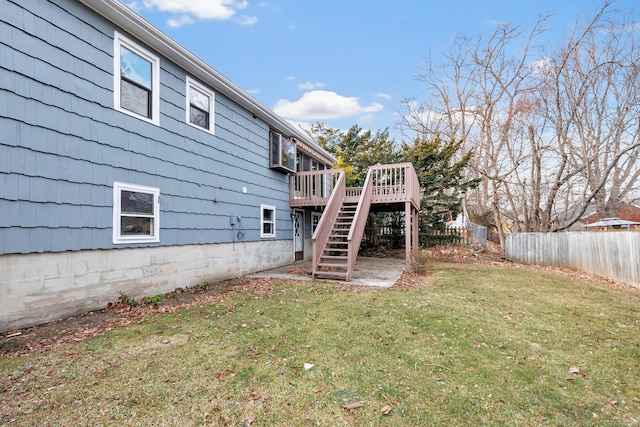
[420, 261]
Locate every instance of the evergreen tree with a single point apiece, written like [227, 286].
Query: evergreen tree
[356, 149]
[440, 169]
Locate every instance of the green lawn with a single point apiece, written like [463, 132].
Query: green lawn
[466, 345]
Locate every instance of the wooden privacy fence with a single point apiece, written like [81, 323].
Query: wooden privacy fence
[613, 254]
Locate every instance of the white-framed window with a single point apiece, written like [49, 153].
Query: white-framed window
[136, 80]
[136, 213]
[267, 221]
[200, 102]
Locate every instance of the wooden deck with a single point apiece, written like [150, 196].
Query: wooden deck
[337, 238]
[390, 185]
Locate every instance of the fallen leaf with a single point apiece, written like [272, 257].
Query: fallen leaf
[574, 370]
[354, 405]
[385, 410]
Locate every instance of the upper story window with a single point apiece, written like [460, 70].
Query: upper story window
[282, 152]
[200, 111]
[136, 213]
[136, 80]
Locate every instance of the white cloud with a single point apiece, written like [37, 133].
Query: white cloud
[383, 96]
[367, 118]
[303, 126]
[179, 21]
[542, 66]
[310, 85]
[216, 10]
[495, 22]
[247, 20]
[322, 105]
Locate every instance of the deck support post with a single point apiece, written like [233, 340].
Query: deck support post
[407, 233]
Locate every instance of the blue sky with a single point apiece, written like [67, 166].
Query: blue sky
[340, 62]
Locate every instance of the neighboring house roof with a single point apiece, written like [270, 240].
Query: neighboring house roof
[625, 211]
[129, 20]
[612, 222]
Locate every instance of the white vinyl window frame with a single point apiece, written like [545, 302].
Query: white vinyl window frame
[121, 236]
[120, 41]
[267, 221]
[193, 85]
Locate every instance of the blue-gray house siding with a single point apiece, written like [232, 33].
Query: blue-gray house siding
[63, 145]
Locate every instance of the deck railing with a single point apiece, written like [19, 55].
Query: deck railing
[390, 184]
[323, 229]
[312, 188]
[395, 183]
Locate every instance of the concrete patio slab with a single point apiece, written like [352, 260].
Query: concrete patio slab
[380, 272]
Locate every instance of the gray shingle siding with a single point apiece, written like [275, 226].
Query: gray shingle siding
[63, 144]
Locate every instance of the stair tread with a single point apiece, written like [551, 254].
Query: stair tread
[330, 259]
[331, 265]
[331, 273]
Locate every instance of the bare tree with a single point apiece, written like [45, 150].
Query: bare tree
[478, 95]
[596, 108]
[552, 131]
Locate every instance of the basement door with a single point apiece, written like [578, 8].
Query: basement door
[298, 235]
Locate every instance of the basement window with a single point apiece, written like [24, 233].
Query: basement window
[136, 213]
[267, 221]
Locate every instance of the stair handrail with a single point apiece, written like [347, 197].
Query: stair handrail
[356, 231]
[323, 229]
[413, 186]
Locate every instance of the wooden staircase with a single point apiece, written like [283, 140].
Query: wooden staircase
[334, 259]
[338, 234]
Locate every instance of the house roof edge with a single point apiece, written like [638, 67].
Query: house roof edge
[128, 19]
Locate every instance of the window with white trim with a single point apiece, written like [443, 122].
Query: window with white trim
[136, 80]
[267, 221]
[136, 213]
[200, 101]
